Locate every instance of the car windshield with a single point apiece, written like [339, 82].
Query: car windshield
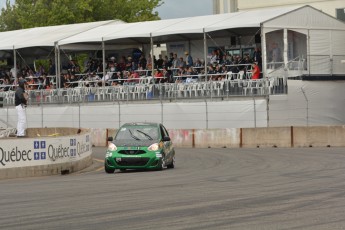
[137, 133]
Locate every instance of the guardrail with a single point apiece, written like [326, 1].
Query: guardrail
[163, 91]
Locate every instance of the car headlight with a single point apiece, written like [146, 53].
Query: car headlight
[153, 147]
[112, 147]
[108, 154]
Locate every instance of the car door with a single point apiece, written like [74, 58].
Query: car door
[168, 146]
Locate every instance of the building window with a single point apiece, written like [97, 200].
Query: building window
[341, 14]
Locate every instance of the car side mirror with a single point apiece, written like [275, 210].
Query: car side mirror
[166, 138]
[110, 139]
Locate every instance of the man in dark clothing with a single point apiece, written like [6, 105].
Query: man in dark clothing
[20, 103]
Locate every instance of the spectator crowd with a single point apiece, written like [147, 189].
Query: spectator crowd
[130, 69]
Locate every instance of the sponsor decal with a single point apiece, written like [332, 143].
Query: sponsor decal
[44, 151]
[73, 152]
[59, 152]
[40, 150]
[82, 148]
[72, 142]
[15, 155]
[72, 145]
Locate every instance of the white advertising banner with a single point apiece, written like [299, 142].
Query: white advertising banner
[44, 150]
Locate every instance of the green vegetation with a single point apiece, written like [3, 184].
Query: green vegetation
[44, 63]
[35, 13]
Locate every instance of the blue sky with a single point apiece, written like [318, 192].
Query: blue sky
[184, 8]
[175, 8]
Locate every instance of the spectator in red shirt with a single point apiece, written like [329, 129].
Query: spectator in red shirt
[255, 71]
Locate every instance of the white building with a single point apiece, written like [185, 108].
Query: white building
[224, 6]
[335, 8]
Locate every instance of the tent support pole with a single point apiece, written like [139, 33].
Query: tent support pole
[308, 51]
[286, 59]
[152, 61]
[15, 64]
[205, 54]
[103, 59]
[264, 52]
[57, 69]
[58, 66]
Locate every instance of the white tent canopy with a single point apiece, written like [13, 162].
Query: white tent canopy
[186, 28]
[45, 36]
[117, 30]
[325, 33]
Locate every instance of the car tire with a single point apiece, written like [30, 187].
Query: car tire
[172, 164]
[108, 170]
[162, 165]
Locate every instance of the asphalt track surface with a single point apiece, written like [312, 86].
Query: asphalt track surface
[270, 188]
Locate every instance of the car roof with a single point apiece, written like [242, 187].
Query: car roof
[141, 124]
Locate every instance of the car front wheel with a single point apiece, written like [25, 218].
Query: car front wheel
[108, 170]
[172, 164]
[162, 163]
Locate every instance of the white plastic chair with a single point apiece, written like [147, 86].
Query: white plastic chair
[100, 94]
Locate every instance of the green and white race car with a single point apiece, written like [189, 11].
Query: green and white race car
[140, 146]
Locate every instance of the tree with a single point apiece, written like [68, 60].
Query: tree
[8, 18]
[34, 13]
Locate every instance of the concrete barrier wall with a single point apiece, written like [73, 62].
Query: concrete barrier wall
[45, 152]
[318, 136]
[52, 151]
[266, 137]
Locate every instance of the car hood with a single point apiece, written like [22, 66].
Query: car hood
[134, 143]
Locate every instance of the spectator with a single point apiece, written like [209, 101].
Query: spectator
[45, 81]
[134, 77]
[214, 57]
[5, 84]
[159, 62]
[189, 59]
[142, 62]
[154, 61]
[149, 63]
[175, 61]
[255, 71]
[21, 103]
[158, 76]
[112, 64]
[257, 57]
[166, 62]
[122, 64]
[106, 78]
[211, 71]
[129, 63]
[181, 63]
[171, 59]
[167, 75]
[224, 69]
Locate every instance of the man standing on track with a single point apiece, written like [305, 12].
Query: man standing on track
[21, 103]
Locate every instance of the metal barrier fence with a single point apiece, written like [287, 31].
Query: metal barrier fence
[163, 91]
[308, 103]
[203, 114]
